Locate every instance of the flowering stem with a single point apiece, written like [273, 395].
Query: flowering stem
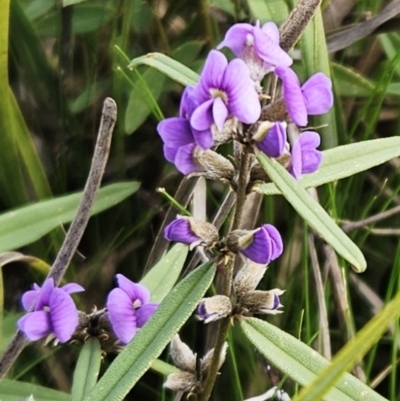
[229, 264]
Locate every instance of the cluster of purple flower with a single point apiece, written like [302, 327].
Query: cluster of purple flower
[51, 312]
[228, 95]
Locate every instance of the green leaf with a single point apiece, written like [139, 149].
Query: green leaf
[13, 390]
[162, 277]
[66, 3]
[300, 362]
[169, 67]
[313, 213]
[350, 83]
[29, 223]
[344, 161]
[350, 354]
[141, 100]
[271, 10]
[146, 346]
[87, 369]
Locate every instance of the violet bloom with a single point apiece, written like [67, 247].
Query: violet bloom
[129, 308]
[51, 310]
[180, 230]
[314, 97]
[305, 157]
[274, 142]
[224, 90]
[262, 245]
[258, 47]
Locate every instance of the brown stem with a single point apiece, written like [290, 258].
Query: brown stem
[77, 228]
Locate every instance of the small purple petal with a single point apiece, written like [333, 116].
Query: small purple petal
[273, 144]
[220, 113]
[276, 241]
[144, 314]
[243, 100]
[121, 315]
[179, 230]
[211, 75]
[297, 164]
[269, 50]
[133, 290]
[202, 117]
[260, 248]
[271, 29]
[29, 299]
[44, 294]
[201, 312]
[317, 93]
[311, 158]
[63, 315]
[236, 38]
[292, 95]
[71, 288]
[277, 302]
[35, 325]
[204, 138]
[170, 153]
[175, 132]
[184, 161]
[188, 102]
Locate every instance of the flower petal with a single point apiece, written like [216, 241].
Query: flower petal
[243, 100]
[179, 230]
[44, 294]
[211, 75]
[292, 95]
[121, 315]
[276, 241]
[170, 153]
[204, 139]
[220, 113]
[71, 288]
[273, 144]
[135, 291]
[311, 157]
[63, 315]
[317, 93]
[236, 38]
[260, 249]
[29, 299]
[269, 50]
[296, 164]
[184, 161]
[188, 102]
[35, 325]
[271, 29]
[175, 132]
[202, 117]
[144, 314]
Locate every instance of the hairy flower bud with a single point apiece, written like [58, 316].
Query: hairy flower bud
[248, 277]
[262, 301]
[214, 308]
[182, 356]
[182, 381]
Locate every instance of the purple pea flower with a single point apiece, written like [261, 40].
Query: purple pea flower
[51, 310]
[258, 47]
[305, 157]
[129, 308]
[180, 230]
[274, 142]
[224, 90]
[314, 97]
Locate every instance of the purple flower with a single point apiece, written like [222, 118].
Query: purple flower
[274, 142]
[263, 245]
[224, 90]
[129, 308]
[258, 47]
[180, 230]
[305, 157]
[314, 97]
[51, 310]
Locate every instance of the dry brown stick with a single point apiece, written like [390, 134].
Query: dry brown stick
[296, 23]
[78, 225]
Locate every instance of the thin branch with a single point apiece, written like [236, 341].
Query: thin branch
[78, 226]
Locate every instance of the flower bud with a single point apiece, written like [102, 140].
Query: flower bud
[248, 277]
[261, 245]
[182, 356]
[189, 231]
[262, 301]
[182, 381]
[214, 308]
[206, 361]
[213, 165]
[271, 138]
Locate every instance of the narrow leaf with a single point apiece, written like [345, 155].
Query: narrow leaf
[300, 362]
[149, 342]
[351, 353]
[344, 161]
[313, 213]
[87, 369]
[29, 223]
[171, 68]
[35, 263]
[162, 277]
